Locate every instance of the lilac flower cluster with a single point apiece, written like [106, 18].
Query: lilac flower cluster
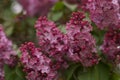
[37, 7]
[51, 51]
[111, 46]
[7, 54]
[56, 48]
[36, 64]
[81, 44]
[51, 40]
[105, 13]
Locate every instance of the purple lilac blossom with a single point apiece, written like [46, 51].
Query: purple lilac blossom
[51, 40]
[76, 45]
[105, 13]
[7, 54]
[37, 7]
[36, 64]
[81, 44]
[77, 24]
[111, 46]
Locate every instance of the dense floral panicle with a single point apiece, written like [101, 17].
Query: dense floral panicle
[6, 53]
[6, 48]
[51, 39]
[80, 43]
[77, 18]
[105, 13]
[36, 64]
[77, 24]
[81, 48]
[111, 46]
[37, 7]
[48, 34]
[46, 31]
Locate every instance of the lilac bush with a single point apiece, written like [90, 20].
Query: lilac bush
[77, 45]
[81, 46]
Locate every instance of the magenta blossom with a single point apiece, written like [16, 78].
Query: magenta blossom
[77, 24]
[105, 13]
[7, 54]
[51, 40]
[111, 46]
[36, 64]
[55, 48]
[81, 44]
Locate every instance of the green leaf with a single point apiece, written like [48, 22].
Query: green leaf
[14, 73]
[115, 73]
[115, 76]
[62, 28]
[9, 30]
[20, 73]
[70, 71]
[58, 6]
[99, 72]
[56, 16]
[70, 7]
